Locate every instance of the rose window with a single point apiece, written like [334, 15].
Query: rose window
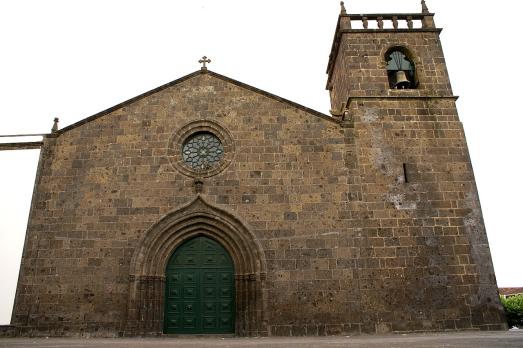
[202, 151]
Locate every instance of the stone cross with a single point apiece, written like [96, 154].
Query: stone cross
[203, 61]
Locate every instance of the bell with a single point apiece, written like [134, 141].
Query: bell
[401, 80]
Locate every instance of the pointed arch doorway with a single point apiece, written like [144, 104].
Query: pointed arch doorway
[199, 289]
[147, 274]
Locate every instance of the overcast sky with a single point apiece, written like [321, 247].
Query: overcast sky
[71, 59]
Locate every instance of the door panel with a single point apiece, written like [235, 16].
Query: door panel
[199, 289]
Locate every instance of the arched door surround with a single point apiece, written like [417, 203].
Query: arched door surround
[147, 270]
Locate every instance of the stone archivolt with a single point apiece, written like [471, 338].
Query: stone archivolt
[147, 272]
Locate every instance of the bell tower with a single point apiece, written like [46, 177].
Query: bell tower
[370, 51]
[423, 257]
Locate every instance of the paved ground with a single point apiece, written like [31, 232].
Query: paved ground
[459, 340]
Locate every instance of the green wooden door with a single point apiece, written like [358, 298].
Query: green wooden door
[199, 289]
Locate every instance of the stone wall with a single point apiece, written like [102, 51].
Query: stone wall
[104, 183]
[423, 243]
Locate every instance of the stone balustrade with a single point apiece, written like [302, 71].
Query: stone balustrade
[392, 21]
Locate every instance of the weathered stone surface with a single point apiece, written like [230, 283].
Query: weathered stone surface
[327, 236]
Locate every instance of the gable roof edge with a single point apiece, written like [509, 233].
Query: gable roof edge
[184, 78]
[125, 103]
[273, 96]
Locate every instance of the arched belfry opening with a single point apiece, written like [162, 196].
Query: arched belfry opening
[150, 264]
[401, 70]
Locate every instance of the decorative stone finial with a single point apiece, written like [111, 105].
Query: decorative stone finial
[424, 8]
[55, 125]
[343, 10]
[203, 61]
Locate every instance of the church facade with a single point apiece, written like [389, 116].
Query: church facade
[209, 206]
